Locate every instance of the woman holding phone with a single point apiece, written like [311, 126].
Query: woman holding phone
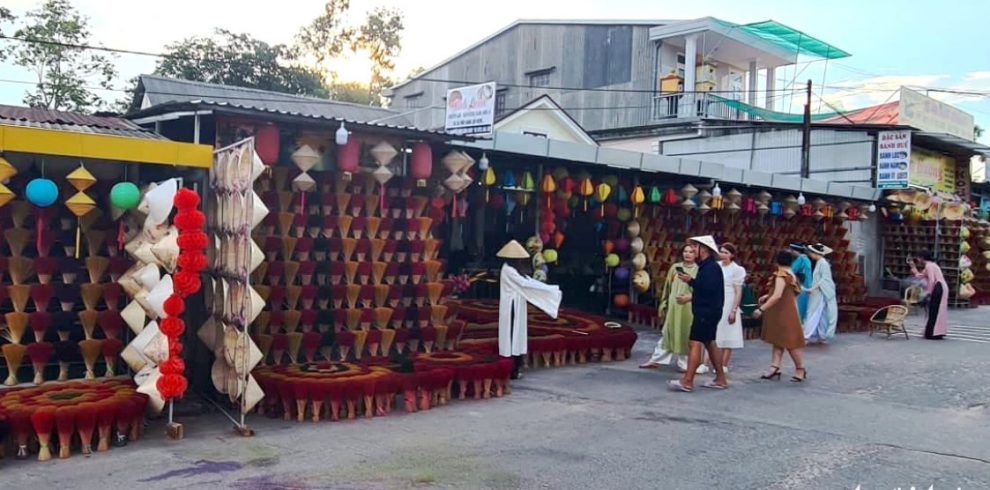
[675, 309]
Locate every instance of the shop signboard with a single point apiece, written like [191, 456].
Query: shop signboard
[471, 110]
[893, 159]
[932, 170]
[928, 114]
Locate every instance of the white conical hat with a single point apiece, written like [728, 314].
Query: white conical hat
[305, 158]
[253, 394]
[157, 349]
[512, 250]
[149, 386]
[134, 316]
[160, 201]
[208, 333]
[706, 240]
[258, 212]
[148, 276]
[134, 358]
[158, 295]
[167, 249]
[257, 256]
[218, 374]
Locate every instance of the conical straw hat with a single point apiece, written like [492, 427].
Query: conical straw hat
[80, 204]
[17, 323]
[259, 212]
[19, 212]
[17, 240]
[291, 320]
[285, 222]
[97, 268]
[20, 268]
[134, 316]
[19, 296]
[167, 250]
[257, 304]
[88, 319]
[303, 183]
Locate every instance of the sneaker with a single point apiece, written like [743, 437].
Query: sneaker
[702, 369]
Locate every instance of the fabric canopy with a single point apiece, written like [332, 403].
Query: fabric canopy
[791, 39]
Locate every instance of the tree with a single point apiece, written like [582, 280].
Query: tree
[354, 92]
[327, 35]
[381, 37]
[241, 60]
[48, 48]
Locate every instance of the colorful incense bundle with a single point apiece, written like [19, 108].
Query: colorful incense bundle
[111, 295]
[360, 339]
[111, 323]
[20, 426]
[20, 268]
[310, 344]
[67, 352]
[300, 224]
[17, 324]
[367, 317]
[401, 339]
[290, 269]
[304, 247]
[123, 416]
[381, 295]
[416, 248]
[344, 226]
[294, 340]
[111, 351]
[394, 295]
[19, 296]
[367, 296]
[431, 249]
[91, 295]
[276, 318]
[288, 247]
[434, 291]
[352, 294]
[412, 229]
[438, 314]
[95, 240]
[337, 270]
[88, 319]
[403, 274]
[339, 294]
[362, 249]
[46, 267]
[347, 248]
[106, 411]
[385, 230]
[391, 272]
[372, 226]
[433, 268]
[418, 206]
[364, 272]
[65, 424]
[291, 320]
[329, 225]
[441, 340]
[416, 272]
[118, 267]
[264, 343]
[382, 317]
[43, 421]
[357, 204]
[357, 227]
[17, 240]
[345, 341]
[279, 343]
[371, 203]
[97, 268]
[272, 246]
[388, 338]
[276, 270]
[285, 221]
[308, 296]
[307, 269]
[423, 316]
[343, 204]
[327, 203]
[424, 225]
[353, 318]
[4, 293]
[390, 250]
[40, 353]
[91, 350]
[350, 272]
[378, 270]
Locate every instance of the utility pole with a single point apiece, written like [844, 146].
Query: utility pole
[806, 136]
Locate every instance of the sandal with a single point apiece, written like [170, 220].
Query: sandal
[775, 374]
[676, 385]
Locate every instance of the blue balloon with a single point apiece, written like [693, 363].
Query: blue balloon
[42, 192]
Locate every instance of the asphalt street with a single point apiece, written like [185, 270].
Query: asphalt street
[875, 414]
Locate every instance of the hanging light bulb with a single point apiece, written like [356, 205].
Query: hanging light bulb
[873, 208]
[801, 200]
[341, 134]
[483, 162]
[717, 191]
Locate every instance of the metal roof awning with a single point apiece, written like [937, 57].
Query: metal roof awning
[647, 162]
[950, 144]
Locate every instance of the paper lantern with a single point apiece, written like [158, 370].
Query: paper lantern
[488, 179]
[421, 163]
[612, 260]
[602, 192]
[638, 197]
[348, 155]
[689, 191]
[383, 153]
[586, 190]
[656, 197]
[41, 192]
[266, 143]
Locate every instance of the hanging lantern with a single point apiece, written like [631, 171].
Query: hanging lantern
[79, 204]
[602, 192]
[734, 196]
[6, 172]
[865, 210]
[622, 196]
[776, 208]
[421, 163]
[382, 175]
[548, 186]
[764, 197]
[689, 191]
[455, 161]
[807, 210]
[670, 198]
[656, 197]
[762, 209]
[586, 190]
[509, 180]
[383, 153]
[266, 142]
[305, 158]
[704, 197]
[488, 179]
[566, 187]
[347, 158]
[528, 183]
[800, 199]
[638, 197]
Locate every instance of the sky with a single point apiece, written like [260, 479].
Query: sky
[920, 43]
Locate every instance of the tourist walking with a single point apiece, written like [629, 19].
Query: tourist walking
[675, 309]
[730, 332]
[781, 323]
[515, 290]
[707, 301]
[937, 323]
[823, 310]
[801, 266]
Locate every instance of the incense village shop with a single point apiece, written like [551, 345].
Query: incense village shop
[83, 362]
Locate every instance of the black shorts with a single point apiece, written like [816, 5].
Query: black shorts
[704, 329]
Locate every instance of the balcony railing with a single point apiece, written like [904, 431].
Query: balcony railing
[701, 105]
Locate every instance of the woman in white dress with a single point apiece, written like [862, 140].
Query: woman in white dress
[730, 334]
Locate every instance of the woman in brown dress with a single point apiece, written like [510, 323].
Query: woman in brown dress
[781, 322]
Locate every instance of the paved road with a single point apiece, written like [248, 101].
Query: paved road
[876, 414]
[966, 325]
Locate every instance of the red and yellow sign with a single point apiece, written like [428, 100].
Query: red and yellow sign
[932, 170]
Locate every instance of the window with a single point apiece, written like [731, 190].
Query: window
[415, 101]
[540, 78]
[499, 103]
[534, 133]
[680, 65]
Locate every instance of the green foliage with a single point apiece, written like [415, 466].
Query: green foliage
[49, 49]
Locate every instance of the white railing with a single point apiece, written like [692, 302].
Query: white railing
[703, 105]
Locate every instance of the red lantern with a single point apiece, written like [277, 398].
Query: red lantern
[347, 157]
[670, 198]
[421, 166]
[266, 143]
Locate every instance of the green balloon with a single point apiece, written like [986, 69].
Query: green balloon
[125, 195]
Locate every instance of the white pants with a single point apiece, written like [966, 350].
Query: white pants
[663, 356]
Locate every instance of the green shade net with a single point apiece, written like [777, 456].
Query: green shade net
[768, 115]
[790, 39]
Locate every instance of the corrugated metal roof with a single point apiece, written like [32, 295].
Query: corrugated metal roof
[877, 114]
[161, 90]
[71, 121]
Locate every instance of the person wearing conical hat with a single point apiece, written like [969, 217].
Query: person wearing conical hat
[823, 310]
[802, 269]
[515, 291]
[707, 301]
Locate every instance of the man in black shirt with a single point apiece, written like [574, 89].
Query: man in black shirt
[707, 298]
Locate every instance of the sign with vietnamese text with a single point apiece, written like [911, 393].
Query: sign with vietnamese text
[471, 110]
[932, 170]
[893, 159]
[928, 114]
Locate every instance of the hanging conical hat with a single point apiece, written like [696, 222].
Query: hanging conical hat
[383, 153]
[17, 323]
[97, 268]
[160, 200]
[257, 304]
[19, 212]
[17, 239]
[88, 319]
[134, 358]
[256, 256]
[292, 294]
[148, 276]
[167, 250]
[81, 179]
[303, 183]
[252, 393]
[20, 268]
[149, 386]
[258, 212]
[954, 211]
[19, 296]
[157, 296]
[209, 333]
[133, 315]
[80, 204]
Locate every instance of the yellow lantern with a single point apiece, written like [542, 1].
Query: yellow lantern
[638, 197]
[603, 191]
[548, 186]
[6, 170]
[488, 180]
[80, 204]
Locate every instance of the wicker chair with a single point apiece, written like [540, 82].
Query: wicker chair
[912, 297]
[889, 320]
